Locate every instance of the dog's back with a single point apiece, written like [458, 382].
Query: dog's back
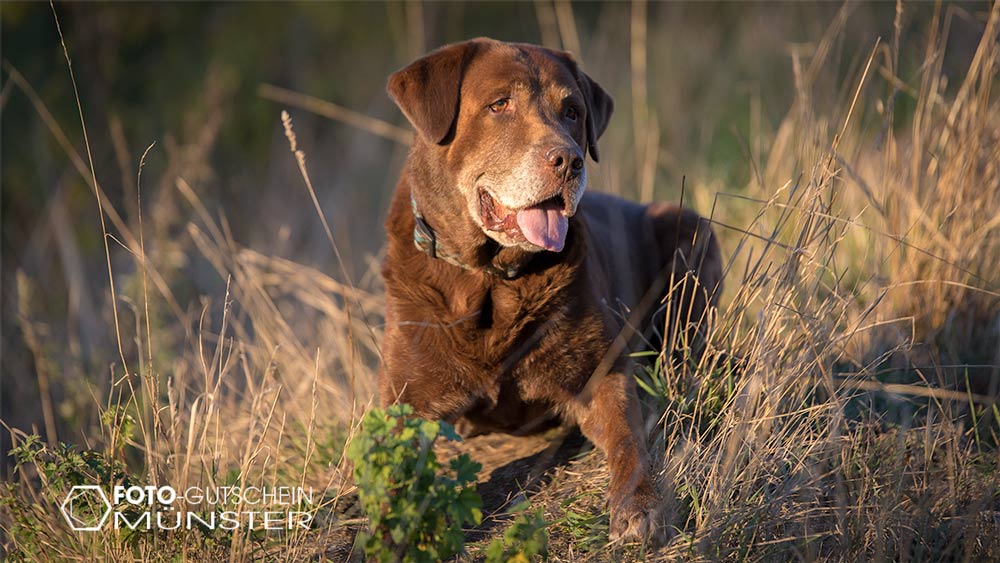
[648, 253]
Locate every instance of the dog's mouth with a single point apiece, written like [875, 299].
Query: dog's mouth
[543, 224]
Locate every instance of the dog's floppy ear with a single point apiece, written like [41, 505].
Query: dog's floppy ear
[427, 91]
[599, 103]
[599, 109]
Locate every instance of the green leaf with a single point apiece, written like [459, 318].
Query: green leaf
[415, 513]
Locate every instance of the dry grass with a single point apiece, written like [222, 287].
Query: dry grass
[845, 407]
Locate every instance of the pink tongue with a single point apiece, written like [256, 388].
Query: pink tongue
[544, 225]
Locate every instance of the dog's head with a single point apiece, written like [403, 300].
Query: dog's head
[508, 126]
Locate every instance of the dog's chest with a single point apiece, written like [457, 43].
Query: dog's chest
[457, 336]
[538, 338]
[503, 325]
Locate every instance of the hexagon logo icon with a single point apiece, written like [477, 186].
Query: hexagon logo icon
[81, 508]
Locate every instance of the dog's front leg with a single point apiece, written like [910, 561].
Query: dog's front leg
[608, 414]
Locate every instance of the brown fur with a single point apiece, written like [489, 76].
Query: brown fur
[464, 344]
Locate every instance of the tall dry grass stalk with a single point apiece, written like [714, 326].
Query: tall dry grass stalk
[798, 463]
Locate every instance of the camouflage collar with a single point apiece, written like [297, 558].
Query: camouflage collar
[428, 243]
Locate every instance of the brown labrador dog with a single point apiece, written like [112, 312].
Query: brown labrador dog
[506, 285]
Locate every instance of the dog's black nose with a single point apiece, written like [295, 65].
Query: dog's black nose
[566, 162]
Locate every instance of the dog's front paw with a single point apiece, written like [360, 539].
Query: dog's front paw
[639, 516]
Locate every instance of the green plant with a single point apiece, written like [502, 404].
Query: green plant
[62, 466]
[525, 540]
[699, 390]
[585, 521]
[58, 468]
[415, 512]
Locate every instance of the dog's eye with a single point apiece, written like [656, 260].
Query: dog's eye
[500, 105]
[572, 113]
